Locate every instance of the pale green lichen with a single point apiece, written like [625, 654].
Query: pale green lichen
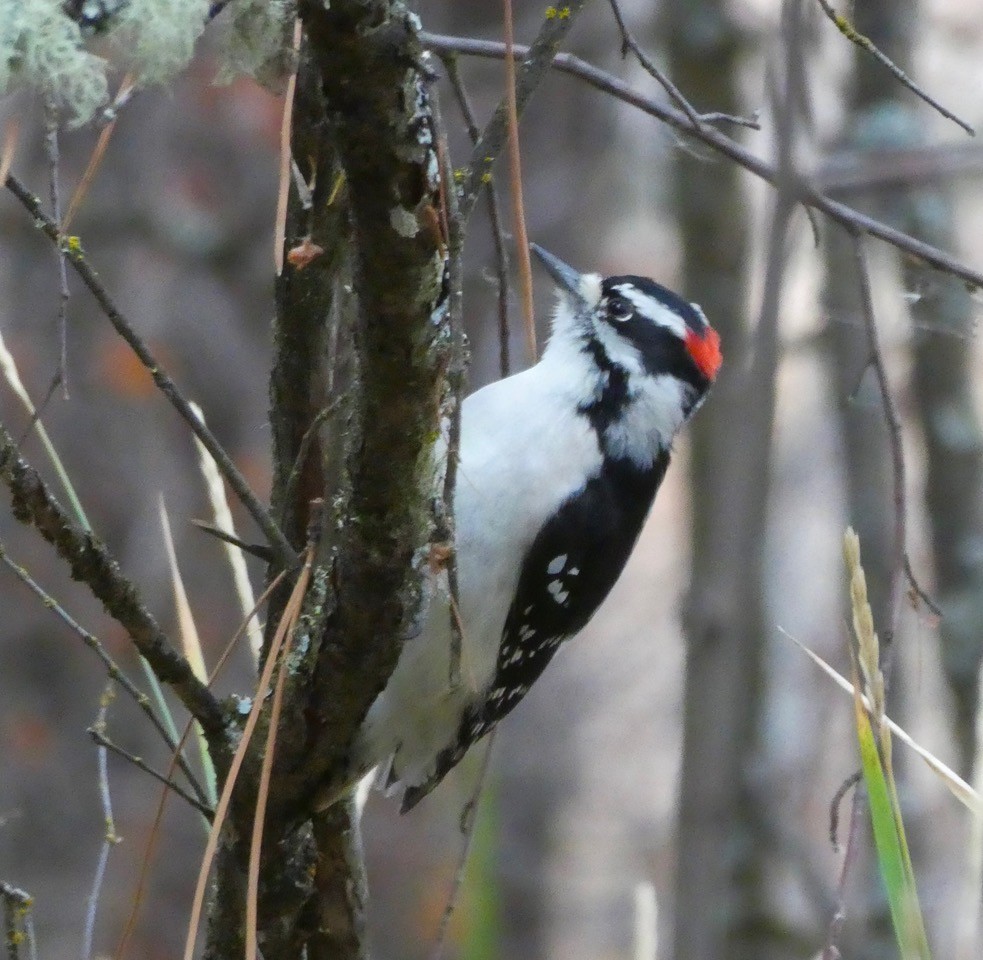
[40, 47]
[43, 48]
[256, 41]
[157, 38]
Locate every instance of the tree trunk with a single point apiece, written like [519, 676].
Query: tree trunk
[718, 865]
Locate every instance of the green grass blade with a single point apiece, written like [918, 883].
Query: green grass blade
[892, 848]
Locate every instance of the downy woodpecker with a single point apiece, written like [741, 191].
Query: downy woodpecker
[558, 468]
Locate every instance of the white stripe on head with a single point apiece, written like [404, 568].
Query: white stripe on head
[654, 309]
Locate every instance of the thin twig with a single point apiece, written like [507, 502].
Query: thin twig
[163, 381]
[857, 810]
[113, 670]
[917, 589]
[538, 58]
[110, 839]
[834, 807]
[102, 740]
[628, 42]
[51, 148]
[17, 905]
[92, 564]
[900, 563]
[469, 819]
[802, 191]
[494, 218]
[865, 43]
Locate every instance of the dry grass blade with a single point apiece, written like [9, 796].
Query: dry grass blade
[222, 515]
[154, 834]
[8, 368]
[515, 172]
[186, 621]
[190, 642]
[11, 136]
[285, 632]
[958, 787]
[98, 152]
[283, 193]
[296, 598]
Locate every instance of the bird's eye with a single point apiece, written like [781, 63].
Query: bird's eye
[620, 310]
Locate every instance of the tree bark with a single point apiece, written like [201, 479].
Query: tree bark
[372, 354]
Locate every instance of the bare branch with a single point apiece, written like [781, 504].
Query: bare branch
[628, 42]
[113, 669]
[100, 738]
[865, 43]
[91, 563]
[901, 566]
[854, 171]
[802, 191]
[17, 906]
[538, 59]
[51, 147]
[858, 810]
[164, 383]
[110, 838]
[494, 216]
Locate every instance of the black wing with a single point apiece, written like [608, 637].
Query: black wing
[571, 567]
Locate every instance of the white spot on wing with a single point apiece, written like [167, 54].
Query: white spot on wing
[557, 564]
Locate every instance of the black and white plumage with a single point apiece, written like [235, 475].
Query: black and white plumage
[559, 466]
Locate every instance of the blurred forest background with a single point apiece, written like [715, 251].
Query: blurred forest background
[681, 741]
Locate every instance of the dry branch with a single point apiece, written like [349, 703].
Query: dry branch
[160, 377]
[803, 192]
[92, 564]
[538, 58]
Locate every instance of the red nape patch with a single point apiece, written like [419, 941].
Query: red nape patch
[705, 351]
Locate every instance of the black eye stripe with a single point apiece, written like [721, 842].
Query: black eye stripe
[690, 314]
[620, 309]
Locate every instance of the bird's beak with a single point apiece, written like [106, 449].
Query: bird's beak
[566, 277]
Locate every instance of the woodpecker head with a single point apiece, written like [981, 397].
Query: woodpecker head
[655, 353]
